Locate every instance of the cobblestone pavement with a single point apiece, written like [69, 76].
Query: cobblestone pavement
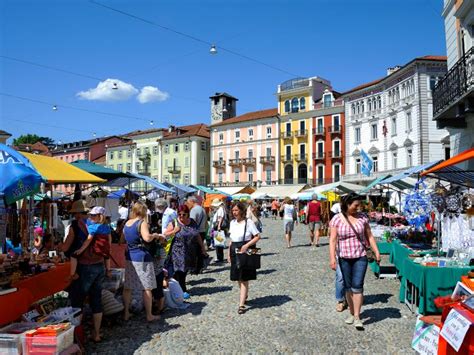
[292, 309]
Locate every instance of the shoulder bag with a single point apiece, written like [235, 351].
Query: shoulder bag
[368, 250]
[250, 259]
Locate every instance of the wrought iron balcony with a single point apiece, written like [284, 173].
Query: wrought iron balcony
[319, 156]
[301, 157]
[175, 169]
[336, 154]
[218, 163]
[319, 131]
[301, 133]
[286, 135]
[335, 129]
[267, 160]
[453, 96]
[287, 158]
[235, 162]
[249, 161]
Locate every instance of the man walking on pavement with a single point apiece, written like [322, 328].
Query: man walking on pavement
[198, 214]
[313, 219]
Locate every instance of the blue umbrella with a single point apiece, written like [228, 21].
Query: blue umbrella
[18, 178]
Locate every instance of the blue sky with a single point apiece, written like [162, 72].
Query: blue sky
[348, 42]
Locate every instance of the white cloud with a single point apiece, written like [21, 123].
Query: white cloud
[107, 91]
[151, 94]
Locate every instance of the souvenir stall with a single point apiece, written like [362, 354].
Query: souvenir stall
[31, 272]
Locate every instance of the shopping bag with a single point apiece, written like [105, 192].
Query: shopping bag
[219, 239]
[249, 260]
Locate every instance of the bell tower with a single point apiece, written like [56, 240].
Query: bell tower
[223, 106]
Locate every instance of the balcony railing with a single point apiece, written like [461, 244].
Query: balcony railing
[301, 133]
[249, 161]
[319, 131]
[301, 157]
[235, 162]
[319, 156]
[455, 85]
[175, 169]
[336, 154]
[267, 160]
[218, 163]
[333, 103]
[286, 135]
[335, 129]
[286, 158]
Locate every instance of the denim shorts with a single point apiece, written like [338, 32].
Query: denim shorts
[353, 273]
[89, 284]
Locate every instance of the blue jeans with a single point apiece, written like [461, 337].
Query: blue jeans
[340, 292]
[353, 273]
[89, 284]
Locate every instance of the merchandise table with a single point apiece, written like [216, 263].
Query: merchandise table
[32, 289]
[385, 248]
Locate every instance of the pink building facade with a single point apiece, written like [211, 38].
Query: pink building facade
[245, 149]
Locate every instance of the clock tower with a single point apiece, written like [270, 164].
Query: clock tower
[223, 106]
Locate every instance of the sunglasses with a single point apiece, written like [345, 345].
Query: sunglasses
[182, 214]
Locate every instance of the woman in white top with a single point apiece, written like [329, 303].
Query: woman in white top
[243, 235]
[289, 218]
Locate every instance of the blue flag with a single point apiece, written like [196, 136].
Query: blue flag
[367, 163]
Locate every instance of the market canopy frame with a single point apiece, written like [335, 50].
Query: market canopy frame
[98, 170]
[55, 171]
[461, 157]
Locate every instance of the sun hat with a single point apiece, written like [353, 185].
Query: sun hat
[216, 202]
[97, 210]
[79, 206]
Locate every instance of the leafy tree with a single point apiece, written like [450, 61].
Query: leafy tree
[32, 139]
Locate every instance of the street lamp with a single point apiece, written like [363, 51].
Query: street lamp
[213, 49]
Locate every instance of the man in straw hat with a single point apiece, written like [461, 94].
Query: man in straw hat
[220, 222]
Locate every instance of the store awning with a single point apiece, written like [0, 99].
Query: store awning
[454, 175]
[56, 171]
[374, 183]
[121, 181]
[98, 170]
[278, 191]
[152, 182]
[466, 155]
[204, 189]
[231, 190]
[342, 186]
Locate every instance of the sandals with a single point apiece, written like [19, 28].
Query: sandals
[340, 306]
[242, 310]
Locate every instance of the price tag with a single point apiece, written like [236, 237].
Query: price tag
[455, 328]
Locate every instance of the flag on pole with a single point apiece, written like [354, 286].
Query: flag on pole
[366, 162]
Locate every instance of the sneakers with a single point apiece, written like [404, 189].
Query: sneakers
[186, 295]
[350, 320]
[358, 324]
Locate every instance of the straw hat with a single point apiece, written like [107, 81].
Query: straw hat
[79, 206]
[216, 202]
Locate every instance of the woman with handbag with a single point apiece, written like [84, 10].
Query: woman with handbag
[352, 237]
[243, 235]
[139, 269]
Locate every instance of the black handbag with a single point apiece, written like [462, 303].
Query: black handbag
[250, 259]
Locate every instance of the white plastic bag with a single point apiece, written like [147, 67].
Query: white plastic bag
[219, 239]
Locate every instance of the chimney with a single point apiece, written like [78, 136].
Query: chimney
[171, 128]
[392, 70]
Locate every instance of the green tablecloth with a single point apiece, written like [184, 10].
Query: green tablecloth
[431, 282]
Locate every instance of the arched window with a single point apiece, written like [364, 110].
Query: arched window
[353, 109]
[379, 102]
[358, 107]
[362, 109]
[287, 106]
[302, 103]
[369, 104]
[294, 105]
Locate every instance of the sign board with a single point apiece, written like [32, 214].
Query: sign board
[425, 338]
[455, 328]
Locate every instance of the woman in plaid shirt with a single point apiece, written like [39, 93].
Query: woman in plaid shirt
[348, 245]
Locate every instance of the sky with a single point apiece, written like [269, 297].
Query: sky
[165, 78]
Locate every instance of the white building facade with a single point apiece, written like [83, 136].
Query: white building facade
[391, 120]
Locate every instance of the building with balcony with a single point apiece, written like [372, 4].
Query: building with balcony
[185, 155]
[391, 120]
[244, 148]
[453, 94]
[296, 98]
[328, 125]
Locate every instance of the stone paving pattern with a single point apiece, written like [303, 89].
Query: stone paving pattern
[292, 310]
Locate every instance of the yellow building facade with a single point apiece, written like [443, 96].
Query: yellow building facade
[295, 107]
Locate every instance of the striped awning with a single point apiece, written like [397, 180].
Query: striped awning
[454, 175]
